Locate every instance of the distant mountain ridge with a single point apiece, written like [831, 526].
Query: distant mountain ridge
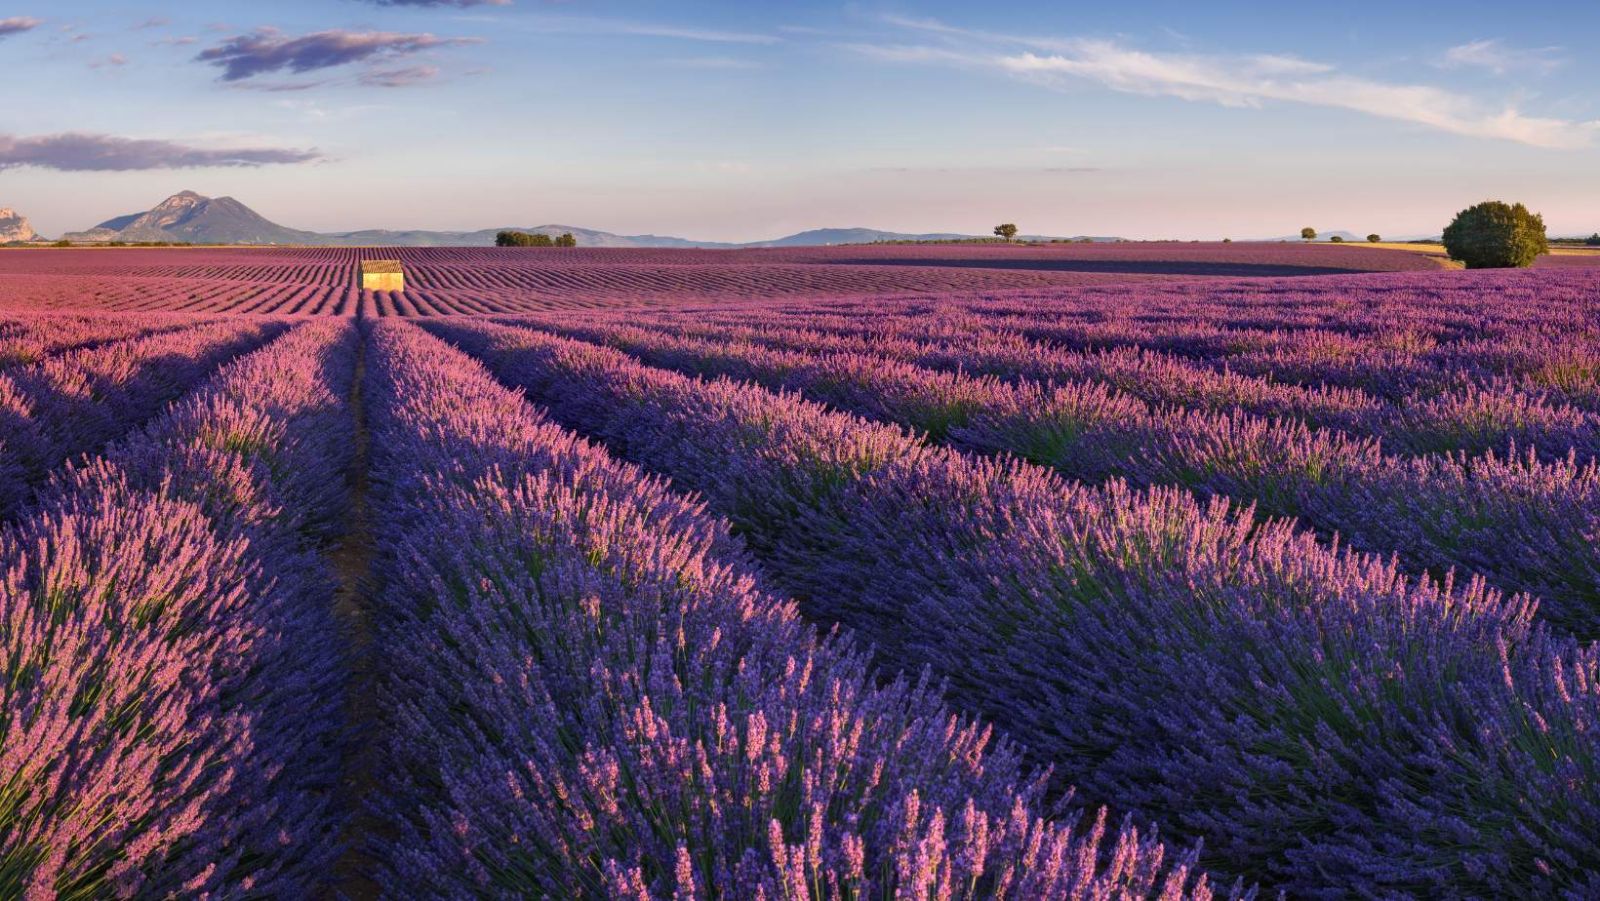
[188, 217]
[195, 219]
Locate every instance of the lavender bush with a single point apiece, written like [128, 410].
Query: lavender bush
[1325, 724]
[170, 725]
[588, 694]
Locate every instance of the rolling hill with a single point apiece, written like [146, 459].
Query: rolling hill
[188, 217]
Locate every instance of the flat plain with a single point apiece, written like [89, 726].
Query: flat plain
[937, 571]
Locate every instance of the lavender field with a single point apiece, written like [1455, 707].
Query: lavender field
[1125, 571]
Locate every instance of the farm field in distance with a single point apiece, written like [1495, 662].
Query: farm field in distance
[446, 281]
[503, 450]
[1212, 570]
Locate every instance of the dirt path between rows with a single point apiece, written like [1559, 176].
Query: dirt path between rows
[352, 566]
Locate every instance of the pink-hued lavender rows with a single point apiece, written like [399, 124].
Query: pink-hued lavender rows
[77, 401]
[1526, 524]
[30, 339]
[457, 281]
[1475, 416]
[170, 724]
[1326, 725]
[587, 694]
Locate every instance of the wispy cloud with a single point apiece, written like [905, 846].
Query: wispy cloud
[1239, 80]
[17, 25]
[268, 50]
[81, 152]
[153, 22]
[988, 170]
[115, 60]
[1500, 59]
[459, 4]
[628, 28]
[711, 62]
[403, 77]
[693, 34]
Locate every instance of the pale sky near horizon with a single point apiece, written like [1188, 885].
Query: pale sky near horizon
[743, 121]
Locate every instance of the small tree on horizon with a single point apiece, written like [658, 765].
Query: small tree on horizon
[565, 239]
[1336, 240]
[1495, 235]
[1593, 240]
[1374, 238]
[1007, 231]
[1308, 234]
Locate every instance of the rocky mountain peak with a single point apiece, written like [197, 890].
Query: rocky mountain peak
[14, 226]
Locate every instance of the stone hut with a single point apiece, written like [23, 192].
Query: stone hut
[383, 275]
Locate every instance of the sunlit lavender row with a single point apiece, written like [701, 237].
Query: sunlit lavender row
[1324, 723]
[1175, 589]
[170, 724]
[1527, 524]
[588, 694]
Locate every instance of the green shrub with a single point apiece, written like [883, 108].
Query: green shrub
[1374, 238]
[1495, 235]
[1336, 239]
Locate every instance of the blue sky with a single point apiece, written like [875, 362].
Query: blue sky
[740, 120]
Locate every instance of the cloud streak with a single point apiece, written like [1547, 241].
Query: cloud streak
[1500, 59]
[626, 28]
[403, 77]
[268, 50]
[458, 4]
[17, 25]
[1241, 80]
[82, 152]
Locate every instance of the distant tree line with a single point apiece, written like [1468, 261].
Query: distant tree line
[524, 239]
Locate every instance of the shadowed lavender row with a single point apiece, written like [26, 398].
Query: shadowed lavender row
[1394, 337]
[587, 694]
[1324, 724]
[1212, 316]
[1475, 417]
[1526, 524]
[29, 339]
[75, 402]
[170, 723]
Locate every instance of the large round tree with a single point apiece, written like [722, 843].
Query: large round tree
[1495, 235]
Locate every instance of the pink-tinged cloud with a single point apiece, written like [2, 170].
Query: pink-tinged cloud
[268, 50]
[80, 152]
[17, 25]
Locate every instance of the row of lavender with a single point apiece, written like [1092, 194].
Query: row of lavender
[1470, 404]
[1391, 336]
[170, 725]
[1323, 723]
[589, 695]
[585, 689]
[77, 400]
[1526, 524]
